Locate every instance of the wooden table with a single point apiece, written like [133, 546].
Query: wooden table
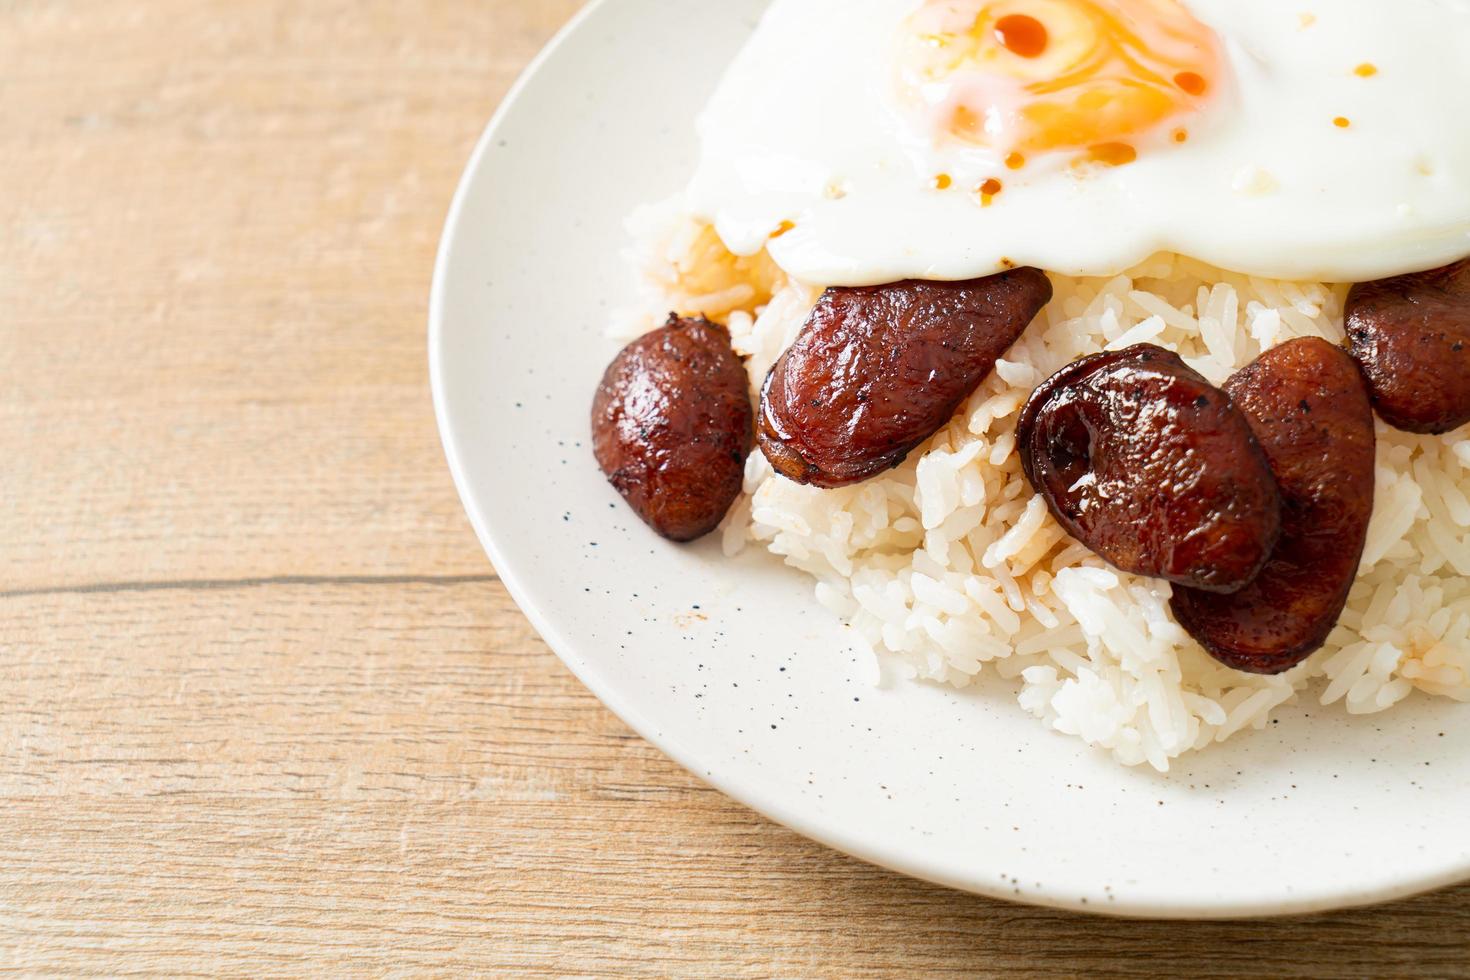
[264, 708]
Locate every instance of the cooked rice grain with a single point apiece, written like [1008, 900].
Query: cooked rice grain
[950, 562]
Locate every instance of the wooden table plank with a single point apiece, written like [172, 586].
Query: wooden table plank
[355, 775]
[264, 708]
[220, 219]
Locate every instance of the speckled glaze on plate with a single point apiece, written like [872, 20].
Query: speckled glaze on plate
[732, 668]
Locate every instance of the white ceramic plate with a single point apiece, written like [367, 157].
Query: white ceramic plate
[735, 671]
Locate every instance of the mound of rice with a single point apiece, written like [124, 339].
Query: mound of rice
[951, 562]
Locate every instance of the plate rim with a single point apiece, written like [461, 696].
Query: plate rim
[1199, 908]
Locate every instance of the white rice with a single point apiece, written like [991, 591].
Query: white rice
[950, 562]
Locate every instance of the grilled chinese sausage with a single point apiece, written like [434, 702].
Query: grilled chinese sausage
[672, 426]
[1151, 466]
[878, 370]
[1411, 334]
[1310, 411]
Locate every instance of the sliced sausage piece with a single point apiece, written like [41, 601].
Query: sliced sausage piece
[672, 425]
[1151, 466]
[1411, 334]
[877, 370]
[1310, 411]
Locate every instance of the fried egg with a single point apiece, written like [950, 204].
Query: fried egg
[866, 141]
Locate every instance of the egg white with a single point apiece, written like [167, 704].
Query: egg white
[805, 140]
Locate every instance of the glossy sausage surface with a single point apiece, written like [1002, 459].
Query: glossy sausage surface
[1149, 465]
[672, 425]
[878, 370]
[1411, 335]
[1310, 411]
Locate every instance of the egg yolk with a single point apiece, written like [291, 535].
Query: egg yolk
[1041, 76]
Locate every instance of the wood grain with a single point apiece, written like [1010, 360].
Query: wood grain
[264, 708]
